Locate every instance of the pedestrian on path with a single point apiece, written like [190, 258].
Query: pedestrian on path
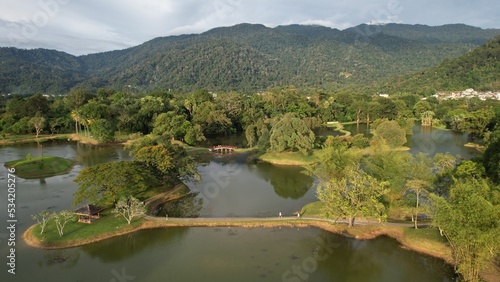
[280, 216]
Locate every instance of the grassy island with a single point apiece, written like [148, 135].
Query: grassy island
[289, 158]
[40, 167]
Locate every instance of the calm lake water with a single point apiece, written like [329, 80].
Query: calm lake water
[230, 187]
[428, 140]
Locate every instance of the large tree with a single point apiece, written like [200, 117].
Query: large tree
[165, 161]
[105, 183]
[391, 133]
[476, 123]
[355, 194]
[291, 134]
[471, 223]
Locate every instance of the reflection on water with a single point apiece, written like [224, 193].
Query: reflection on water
[428, 140]
[189, 206]
[288, 182]
[233, 186]
[67, 258]
[129, 245]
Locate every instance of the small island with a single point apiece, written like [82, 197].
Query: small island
[41, 167]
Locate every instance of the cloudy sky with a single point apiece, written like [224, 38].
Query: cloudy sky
[90, 26]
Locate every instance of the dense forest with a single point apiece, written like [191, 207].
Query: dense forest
[479, 68]
[245, 58]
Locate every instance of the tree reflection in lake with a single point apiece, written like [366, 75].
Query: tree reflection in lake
[64, 258]
[288, 182]
[123, 247]
[188, 206]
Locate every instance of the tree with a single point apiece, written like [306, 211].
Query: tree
[419, 187]
[105, 183]
[194, 134]
[360, 141]
[357, 193]
[61, 219]
[491, 160]
[102, 130]
[163, 160]
[391, 133]
[426, 118]
[471, 224]
[476, 123]
[212, 121]
[170, 123]
[290, 134]
[21, 126]
[129, 208]
[42, 218]
[38, 123]
[421, 107]
[391, 166]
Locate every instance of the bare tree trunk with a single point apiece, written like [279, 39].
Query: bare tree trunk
[351, 221]
[416, 209]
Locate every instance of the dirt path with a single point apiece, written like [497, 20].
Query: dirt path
[225, 220]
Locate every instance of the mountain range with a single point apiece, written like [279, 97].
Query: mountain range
[246, 58]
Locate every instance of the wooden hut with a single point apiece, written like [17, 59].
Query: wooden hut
[88, 213]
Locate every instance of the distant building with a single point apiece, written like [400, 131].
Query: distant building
[468, 93]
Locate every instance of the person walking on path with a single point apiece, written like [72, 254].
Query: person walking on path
[280, 215]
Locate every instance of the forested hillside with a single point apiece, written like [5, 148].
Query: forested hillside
[245, 58]
[478, 69]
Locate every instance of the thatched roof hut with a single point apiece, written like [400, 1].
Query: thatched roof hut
[88, 213]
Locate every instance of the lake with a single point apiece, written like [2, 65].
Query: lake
[230, 187]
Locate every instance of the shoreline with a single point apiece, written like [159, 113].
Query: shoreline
[358, 232]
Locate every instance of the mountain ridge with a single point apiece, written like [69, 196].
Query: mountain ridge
[245, 57]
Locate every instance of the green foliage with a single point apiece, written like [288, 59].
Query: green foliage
[391, 133]
[478, 69]
[104, 184]
[471, 224]
[475, 123]
[470, 170]
[360, 141]
[291, 134]
[356, 193]
[491, 161]
[102, 130]
[163, 160]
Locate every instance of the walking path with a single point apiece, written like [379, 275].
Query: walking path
[239, 220]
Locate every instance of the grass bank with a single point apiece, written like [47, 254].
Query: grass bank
[30, 138]
[40, 167]
[289, 158]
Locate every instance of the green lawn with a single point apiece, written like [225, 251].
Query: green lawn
[40, 167]
[312, 209]
[289, 158]
[12, 139]
[81, 232]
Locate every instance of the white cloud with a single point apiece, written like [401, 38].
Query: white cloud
[87, 26]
